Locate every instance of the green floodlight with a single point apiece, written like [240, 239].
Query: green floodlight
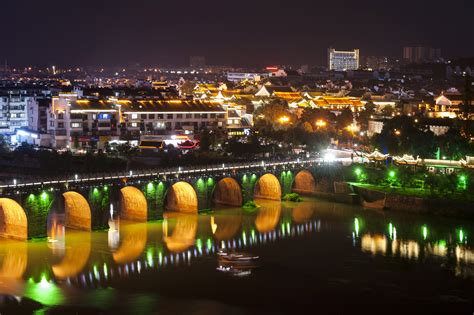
[358, 171]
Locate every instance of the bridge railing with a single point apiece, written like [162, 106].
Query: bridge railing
[136, 174]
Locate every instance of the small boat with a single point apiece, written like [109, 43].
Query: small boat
[238, 272]
[236, 258]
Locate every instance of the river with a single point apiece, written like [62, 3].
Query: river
[314, 257]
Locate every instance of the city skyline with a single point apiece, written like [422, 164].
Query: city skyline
[125, 33]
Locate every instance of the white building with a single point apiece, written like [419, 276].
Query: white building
[343, 60]
[250, 76]
[74, 122]
[18, 111]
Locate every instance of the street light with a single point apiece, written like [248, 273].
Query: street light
[284, 119]
[320, 123]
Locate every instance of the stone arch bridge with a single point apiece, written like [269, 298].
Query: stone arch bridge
[88, 202]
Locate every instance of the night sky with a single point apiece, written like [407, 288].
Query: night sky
[255, 32]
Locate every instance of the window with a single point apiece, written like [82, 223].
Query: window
[76, 125]
[143, 116]
[204, 116]
[220, 116]
[189, 116]
[60, 125]
[229, 121]
[169, 116]
[160, 116]
[151, 116]
[179, 116]
[134, 124]
[134, 116]
[197, 116]
[213, 115]
[61, 116]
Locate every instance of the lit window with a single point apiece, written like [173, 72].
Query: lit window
[134, 116]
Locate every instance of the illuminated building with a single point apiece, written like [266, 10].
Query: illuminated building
[339, 60]
[18, 111]
[337, 103]
[421, 54]
[74, 122]
[268, 91]
[250, 76]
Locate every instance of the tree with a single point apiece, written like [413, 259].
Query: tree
[268, 116]
[187, 88]
[466, 107]
[387, 111]
[344, 119]
[400, 135]
[4, 147]
[363, 117]
[205, 140]
[454, 145]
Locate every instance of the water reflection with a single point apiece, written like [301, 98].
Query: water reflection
[225, 227]
[78, 249]
[183, 233]
[45, 270]
[13, 263]
[268, 215]
[133, 237]
[303, 212]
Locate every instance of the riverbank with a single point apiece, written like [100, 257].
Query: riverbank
[414, 201]
[396, 199]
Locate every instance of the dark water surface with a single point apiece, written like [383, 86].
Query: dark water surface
[315, 257]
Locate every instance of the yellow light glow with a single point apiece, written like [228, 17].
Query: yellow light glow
[321, 123]
[352, 128]
[284, 119]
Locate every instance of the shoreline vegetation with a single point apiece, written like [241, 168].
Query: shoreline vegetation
[250, 206]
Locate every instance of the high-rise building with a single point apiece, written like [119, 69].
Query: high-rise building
[421, 54]
[197, 62]
[343, 60]
[408, 54]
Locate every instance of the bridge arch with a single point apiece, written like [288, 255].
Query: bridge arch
[77, 211]
[182, 197]
[13, 221]
[227, 192]
[133, 204]
[304, 183]
[268, 187]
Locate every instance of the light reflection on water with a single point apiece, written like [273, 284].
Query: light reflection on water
[49, 271]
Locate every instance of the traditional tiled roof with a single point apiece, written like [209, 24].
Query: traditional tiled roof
[149, 105]
[336, 101]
